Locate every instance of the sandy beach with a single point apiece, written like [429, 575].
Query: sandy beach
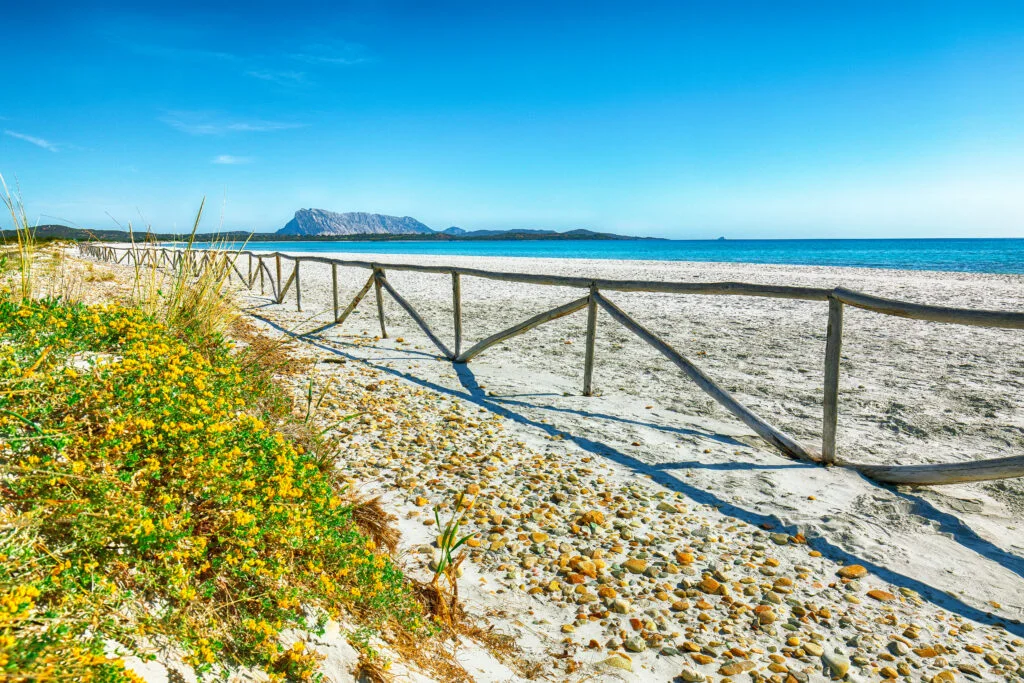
[911, 392]
[685, 491]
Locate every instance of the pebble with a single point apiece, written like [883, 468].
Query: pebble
[852, 571]
[635, 566]
[635, 644]
[837, 664]
[619, 662]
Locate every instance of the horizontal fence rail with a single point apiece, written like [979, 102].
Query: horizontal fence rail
[257, 268]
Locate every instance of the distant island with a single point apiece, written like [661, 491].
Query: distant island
[319, 225]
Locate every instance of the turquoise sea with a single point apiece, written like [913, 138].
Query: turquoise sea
[963, 255]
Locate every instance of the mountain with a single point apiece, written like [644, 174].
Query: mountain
[317, 222]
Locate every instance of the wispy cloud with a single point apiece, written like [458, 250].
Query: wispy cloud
[176, 53]
[340, 53]
[195, 123]
[279, 77]
[38, 142]
[231, 160]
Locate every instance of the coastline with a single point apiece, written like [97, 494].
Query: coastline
[995, 255]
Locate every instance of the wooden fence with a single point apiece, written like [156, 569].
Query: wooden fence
[258, 268]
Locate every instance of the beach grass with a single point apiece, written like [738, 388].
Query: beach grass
[20, 256]
[192, 294]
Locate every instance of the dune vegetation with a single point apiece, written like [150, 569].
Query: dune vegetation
[159, 490]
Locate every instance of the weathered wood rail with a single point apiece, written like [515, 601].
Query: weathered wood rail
[837, 299]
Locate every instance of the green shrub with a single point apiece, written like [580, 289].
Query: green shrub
[145, 494]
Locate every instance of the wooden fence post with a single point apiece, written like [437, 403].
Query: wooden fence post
[588, 363]
[277, 260]
[833, 346]
[457, 310]
[298, 288]
[334, 288]
[377, 275]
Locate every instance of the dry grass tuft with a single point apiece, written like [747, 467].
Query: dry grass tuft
[372, 671]
[376, 523]
[430, 656]
[441, 605]
[269, 354]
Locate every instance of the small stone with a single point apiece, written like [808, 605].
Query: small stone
[881, 596]
[734, 668]
[709, 585]
[592, 517]
[620, 606]
[691, 676]
[837, 664]
[852, 571]
[888, 672]
[635, 565]
[421, 501]
[618, 661]
[635, 644]
[814, 649]
[568, 628]
[970, 670]
[944, 677]
[664, 506]
[701, 658]
[780, 539]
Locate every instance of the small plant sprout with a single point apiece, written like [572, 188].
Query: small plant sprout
[449, 542]
[312, 402]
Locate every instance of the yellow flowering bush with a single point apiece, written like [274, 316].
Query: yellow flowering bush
[147, 490]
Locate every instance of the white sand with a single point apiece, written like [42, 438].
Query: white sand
[911, 392]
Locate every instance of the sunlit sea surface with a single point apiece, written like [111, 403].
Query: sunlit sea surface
[963, 255]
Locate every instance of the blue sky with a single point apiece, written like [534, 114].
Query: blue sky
[691, 120]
